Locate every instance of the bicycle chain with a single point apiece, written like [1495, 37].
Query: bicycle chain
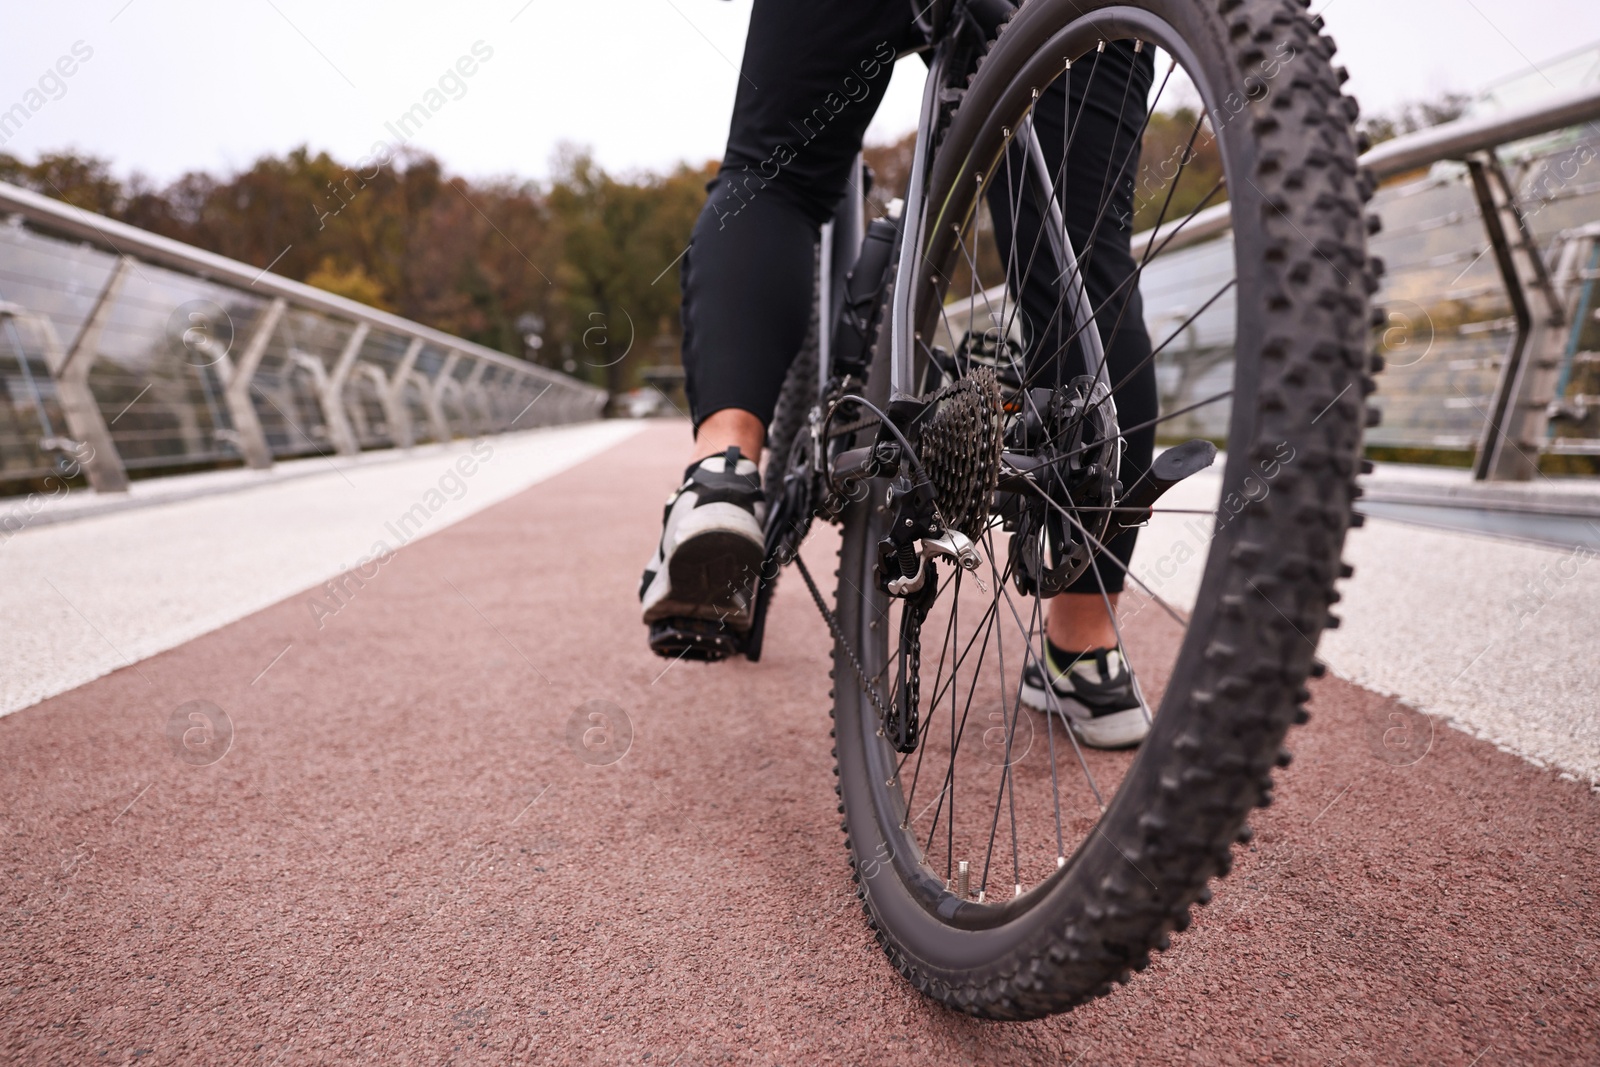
[904, 735]
[960, 450]
[838, 635]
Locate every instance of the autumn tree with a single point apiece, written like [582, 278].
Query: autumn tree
[592, 255]
[620, 245]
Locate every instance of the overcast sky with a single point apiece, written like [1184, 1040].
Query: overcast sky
[175, 85]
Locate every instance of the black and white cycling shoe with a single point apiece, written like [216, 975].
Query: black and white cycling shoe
[1096, 694]
[698, 591]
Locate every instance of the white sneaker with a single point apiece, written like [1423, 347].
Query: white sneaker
[1095, 693]
[705, 566]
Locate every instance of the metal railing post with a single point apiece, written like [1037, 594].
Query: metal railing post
[332, 393]
[1514, 430]
[443, 430]
[246, 423]
[396, 410]
[438, 426]
[473, 395]
[70, 369]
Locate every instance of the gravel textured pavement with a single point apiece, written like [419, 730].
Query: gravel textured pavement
[392, 852]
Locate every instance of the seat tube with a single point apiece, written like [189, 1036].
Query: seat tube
[902, 355]
[841, 246]
[826, 285]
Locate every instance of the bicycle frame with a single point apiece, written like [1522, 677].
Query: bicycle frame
[840, 245]
[841, 241]
[902, 357]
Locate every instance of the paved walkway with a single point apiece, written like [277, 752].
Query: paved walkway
[1495, 637]
[399, 857]
[94, 583]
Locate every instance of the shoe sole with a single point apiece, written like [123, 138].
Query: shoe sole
[711, 576]
[696, 639]
[1120, 729]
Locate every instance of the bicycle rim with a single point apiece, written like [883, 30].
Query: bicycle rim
[1079, 862]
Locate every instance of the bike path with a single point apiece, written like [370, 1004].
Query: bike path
[402, 856]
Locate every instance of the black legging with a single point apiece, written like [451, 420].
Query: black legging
[813, 76]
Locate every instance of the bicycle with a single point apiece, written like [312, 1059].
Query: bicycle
[954, 475]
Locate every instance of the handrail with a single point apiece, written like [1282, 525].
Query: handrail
[1451, 140]
[1518, 425]
[1454, 140]
[67, 220]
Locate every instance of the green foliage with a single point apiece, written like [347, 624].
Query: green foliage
[352, 283]
[86, 182]
[618, 243]
[1179, 169]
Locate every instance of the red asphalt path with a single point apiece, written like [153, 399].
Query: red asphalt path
[402, 860]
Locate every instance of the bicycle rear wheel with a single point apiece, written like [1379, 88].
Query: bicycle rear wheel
[1079, 863]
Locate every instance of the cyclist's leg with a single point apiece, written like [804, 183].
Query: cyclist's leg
[1106, 111]
[1110, 106]
[812, 78]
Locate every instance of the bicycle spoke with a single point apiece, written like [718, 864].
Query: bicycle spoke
[1011, 740]
[960, 732]
[1154, 511]
[1116, 626]
[1101, 550]
[1196, 406]
[1133, 151]
[987, 625]
[1037, 626]
[1039, 660]
[1013, 190]
[1080, 269]
[1133, 280]
[1172, 189]
[1071, 126]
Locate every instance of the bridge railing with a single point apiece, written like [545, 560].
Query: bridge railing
[1491, 239]
[122, 351]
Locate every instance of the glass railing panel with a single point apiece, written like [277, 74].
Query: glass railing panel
[161, 366]
[30, 412]
[430, 361]
[51, 277]
[168, 345]
[1194, 339]
[1449, 317]
[284, 389]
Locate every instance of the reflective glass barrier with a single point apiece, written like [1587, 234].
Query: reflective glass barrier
[1450, 319]
[119, 363]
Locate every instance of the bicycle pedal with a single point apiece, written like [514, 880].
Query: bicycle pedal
[705, 640]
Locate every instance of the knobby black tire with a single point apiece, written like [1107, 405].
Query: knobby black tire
[795, 400]
[1238, 681]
